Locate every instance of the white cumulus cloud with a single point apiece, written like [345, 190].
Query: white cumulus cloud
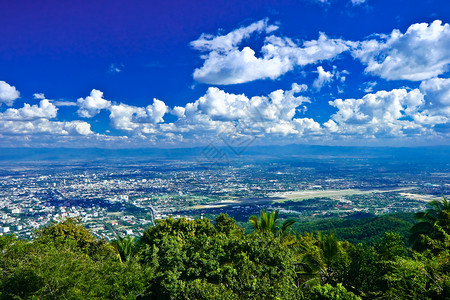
[45, 126]
[237, 115]
[437, 95]
[77, 127]
[45, 110]
[127, 117]
[35, 120]
[395, 113]
[208, 42]
[222, 106]
[92, 104]
[323, 78]
[422, 52]
[226, 63]
[8, 93]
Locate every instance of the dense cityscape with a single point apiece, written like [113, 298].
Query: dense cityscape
[124, 198]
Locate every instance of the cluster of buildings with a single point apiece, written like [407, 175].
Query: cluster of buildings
[124, 199]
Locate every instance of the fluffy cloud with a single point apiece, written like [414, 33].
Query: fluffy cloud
[326, 77]
[208, 42]
[298, 127]
[45, 110]
[123, 116]
[92, 104]
[220, 105]
[77, 127]
[35, 119]
[384, 114]
[309, 52]
[234, 116]
[126, 117]
[393, 113]
[240, 66]
[381, 107]
[437, 93]
[156, 111]
[8, 93]
[44, 126]
[422, 52]
[214, 114]
[178, 111]
[323, 78]
[278, 105]
[225, 63]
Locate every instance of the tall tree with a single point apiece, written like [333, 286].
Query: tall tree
[267, 222]
[438, 213]
[125, 247]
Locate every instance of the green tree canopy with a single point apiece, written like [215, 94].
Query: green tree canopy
[438, 213]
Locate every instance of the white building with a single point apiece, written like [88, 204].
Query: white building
[4, 229]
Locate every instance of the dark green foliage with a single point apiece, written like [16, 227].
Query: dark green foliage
[437, 214]
[70, 234]
[202, 290]
[216, 258]
[330, 292]
[390, 247]
[126, 247]
[7, 241]
[334, 257]
[200, 259]
[66, 261]
[225, 224]
[181, 228]
[363, 273]
[267, 222]
[384, 271]
[367, 230]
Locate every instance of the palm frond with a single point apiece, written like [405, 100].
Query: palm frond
[287, 224]
[253, 220]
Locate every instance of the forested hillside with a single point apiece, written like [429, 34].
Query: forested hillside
[367, 229]
[204, 259]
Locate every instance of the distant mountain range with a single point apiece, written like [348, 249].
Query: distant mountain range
[435, 154]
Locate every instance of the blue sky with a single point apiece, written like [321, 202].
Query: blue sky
[185, 73]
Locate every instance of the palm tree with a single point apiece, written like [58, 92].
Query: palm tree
[329, 244]
[438, 214]
[330, 251]
[125, 247]
[308, 270]
[309, 265]
[267, 222]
